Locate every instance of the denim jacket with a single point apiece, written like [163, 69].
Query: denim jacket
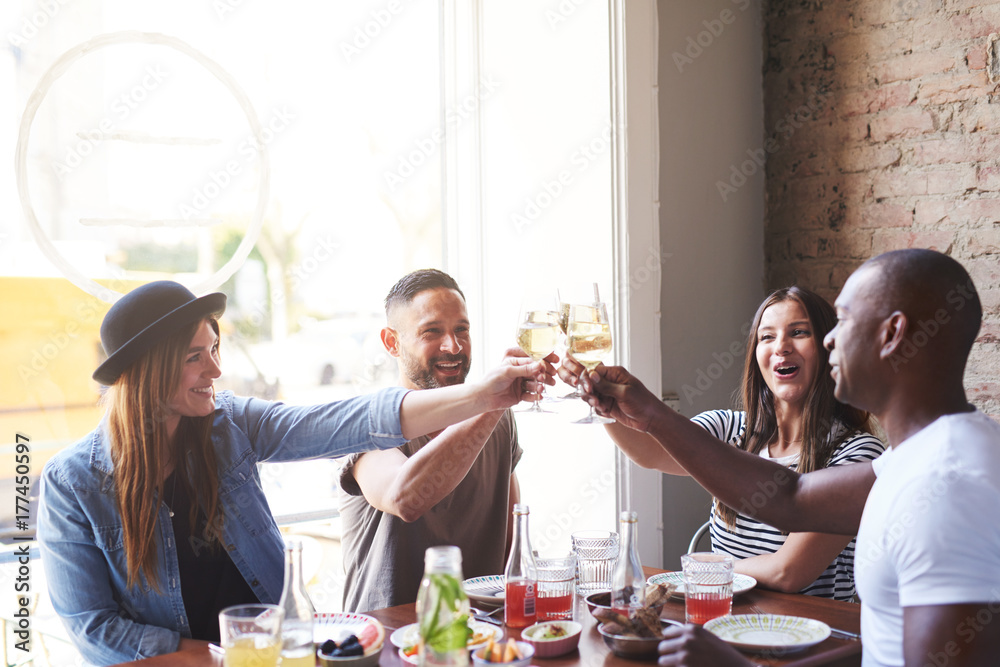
[80, 530]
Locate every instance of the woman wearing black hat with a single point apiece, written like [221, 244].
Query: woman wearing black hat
[155, 521]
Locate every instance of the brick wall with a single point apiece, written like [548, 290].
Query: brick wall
[883, 132]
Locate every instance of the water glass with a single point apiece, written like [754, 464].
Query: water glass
[556, 582]
[708, 586]
[596, 552]
[251, 635]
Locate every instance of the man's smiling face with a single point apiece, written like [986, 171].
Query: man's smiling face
[432, 339]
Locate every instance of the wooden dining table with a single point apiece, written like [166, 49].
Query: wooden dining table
[831, 652]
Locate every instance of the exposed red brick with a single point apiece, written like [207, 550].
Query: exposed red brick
[956, 148]
[884, 240]
[955, 88]
[979, 118]
[990, 331]
[951, 181]
[899, 183]
[913, 66]
[867, 158]
[961, 212]
[989, 298]
[988, 178]
[976, 57]
[857, 244]
[874, 99]
[886, 215]
[908, 122]
[985, 272]
[985, 242]
[967, 26]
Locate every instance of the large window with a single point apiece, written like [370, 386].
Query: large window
[301, 156]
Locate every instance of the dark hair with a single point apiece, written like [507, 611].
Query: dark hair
[820, 432]
[416, 282]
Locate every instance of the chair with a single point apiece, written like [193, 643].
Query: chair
[698, 534]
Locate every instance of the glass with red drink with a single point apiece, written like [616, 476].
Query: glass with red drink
[556, 583]
[708, 586]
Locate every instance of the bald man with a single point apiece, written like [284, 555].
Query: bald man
[927, 563]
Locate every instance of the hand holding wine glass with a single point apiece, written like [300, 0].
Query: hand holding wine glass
[538, 333]
[589, 333]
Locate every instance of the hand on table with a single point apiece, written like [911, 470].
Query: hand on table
[694, 646]
[614, 393]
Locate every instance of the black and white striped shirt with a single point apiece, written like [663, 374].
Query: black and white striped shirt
[752, 538]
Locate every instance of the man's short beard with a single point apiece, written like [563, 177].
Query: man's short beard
[424, 377]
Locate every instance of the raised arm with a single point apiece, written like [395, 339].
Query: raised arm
[514, 380]
[829, 500]
[408, 487]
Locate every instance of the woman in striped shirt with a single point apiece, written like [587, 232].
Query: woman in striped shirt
[790, 416]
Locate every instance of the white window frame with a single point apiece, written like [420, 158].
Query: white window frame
[637, 254]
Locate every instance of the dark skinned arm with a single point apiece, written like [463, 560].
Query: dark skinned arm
[830, 500]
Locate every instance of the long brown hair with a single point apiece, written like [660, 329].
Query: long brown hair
[823, 413]
[137, 415]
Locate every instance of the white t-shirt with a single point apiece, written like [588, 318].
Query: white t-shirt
[929, 534]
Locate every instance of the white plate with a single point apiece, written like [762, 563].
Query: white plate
[741, 582]
[769, 632]
[486, 590]
[408, 634]
[338, 625]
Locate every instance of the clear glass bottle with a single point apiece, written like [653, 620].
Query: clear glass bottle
[297, 629]
[443, 609]
[628, 583]
[521, 575]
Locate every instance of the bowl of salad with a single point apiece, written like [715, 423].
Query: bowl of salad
[552, 638]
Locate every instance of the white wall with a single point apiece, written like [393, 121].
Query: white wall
[711, 114]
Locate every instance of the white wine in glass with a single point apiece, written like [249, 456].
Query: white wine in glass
[538, 335]
[589, 343]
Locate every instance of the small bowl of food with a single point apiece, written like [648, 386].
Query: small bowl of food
[345, 654]
[552, 638]
[601, 602]
[510, 654]
[630, 645]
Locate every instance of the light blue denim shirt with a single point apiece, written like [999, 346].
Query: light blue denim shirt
[80, 530]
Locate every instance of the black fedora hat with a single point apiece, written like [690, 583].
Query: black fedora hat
[145, 316]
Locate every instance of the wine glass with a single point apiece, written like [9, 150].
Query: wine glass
[589, 335]
[580, 294]
[538, 334]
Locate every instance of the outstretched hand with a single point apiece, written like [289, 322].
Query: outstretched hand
[614, 393]
[518, 378]
[694, 646]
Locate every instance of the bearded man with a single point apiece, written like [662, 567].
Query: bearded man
[456, 486]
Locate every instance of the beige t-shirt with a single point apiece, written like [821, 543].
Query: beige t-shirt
[384, 555]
